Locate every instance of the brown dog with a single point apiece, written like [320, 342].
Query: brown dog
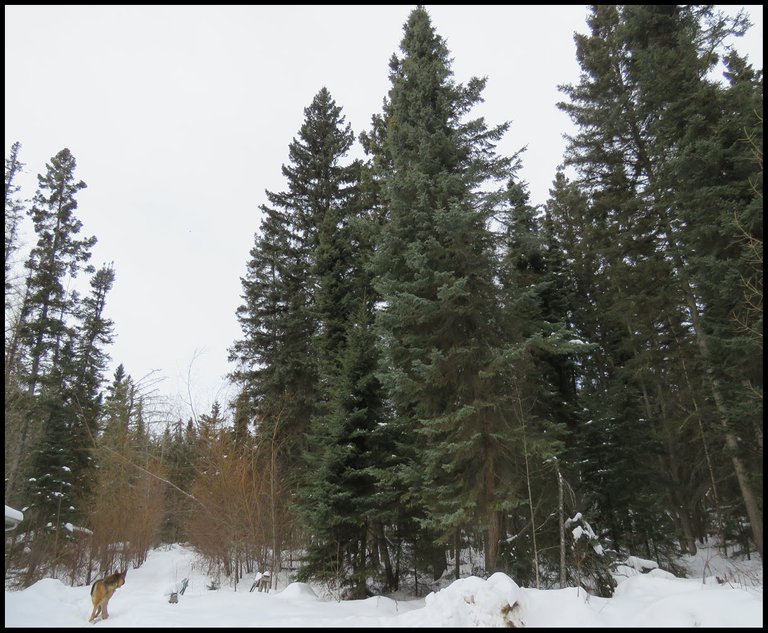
[101, 592]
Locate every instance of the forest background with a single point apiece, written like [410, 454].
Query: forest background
[428, 361]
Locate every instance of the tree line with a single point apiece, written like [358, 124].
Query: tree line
[430, 364]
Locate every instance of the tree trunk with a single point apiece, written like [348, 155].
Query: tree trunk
[561, 521]
[457, 554]
[494, 536]
[20, 449]
[742, 476]
[384, 555]
[528, 482]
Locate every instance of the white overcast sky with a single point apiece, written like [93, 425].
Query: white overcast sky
[180, 117]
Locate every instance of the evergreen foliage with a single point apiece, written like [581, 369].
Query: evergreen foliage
[343, 501]
[430, 364]
[54, 364]
[50, 339]
[58, 253]
[94, 334]
[13, 209]
[537, 377]
[279, 316]
[434, 270]
[668, 202]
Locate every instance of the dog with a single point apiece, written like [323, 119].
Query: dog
[101, 592]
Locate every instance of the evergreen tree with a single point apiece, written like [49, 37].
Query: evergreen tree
[17, 402]
[616, 436]
[51, 491]
[538, 379]
[341, 502]
[178, 460]
[655, 157]
[279, 317]
[118, 404]
[94, 333]
[13, 209]
[66, 360]
[434, 270]
[58, 253]
[70, 405]
[242, 418]
[262, 318]
[46, 327]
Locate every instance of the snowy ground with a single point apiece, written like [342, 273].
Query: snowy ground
[652, 599]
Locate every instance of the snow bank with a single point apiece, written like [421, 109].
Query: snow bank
[472, 601]
[655, 598]
[298, 591]
[659, 600]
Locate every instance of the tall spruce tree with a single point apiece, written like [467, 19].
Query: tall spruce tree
[70, 405]
[52, 487]
[341, 501]
[657, 158]
[57, 254]
[434, 270]
[63, 339]
[277, 354]
[618, 434]
[94, 334]
[538, 380]
[46, 325]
